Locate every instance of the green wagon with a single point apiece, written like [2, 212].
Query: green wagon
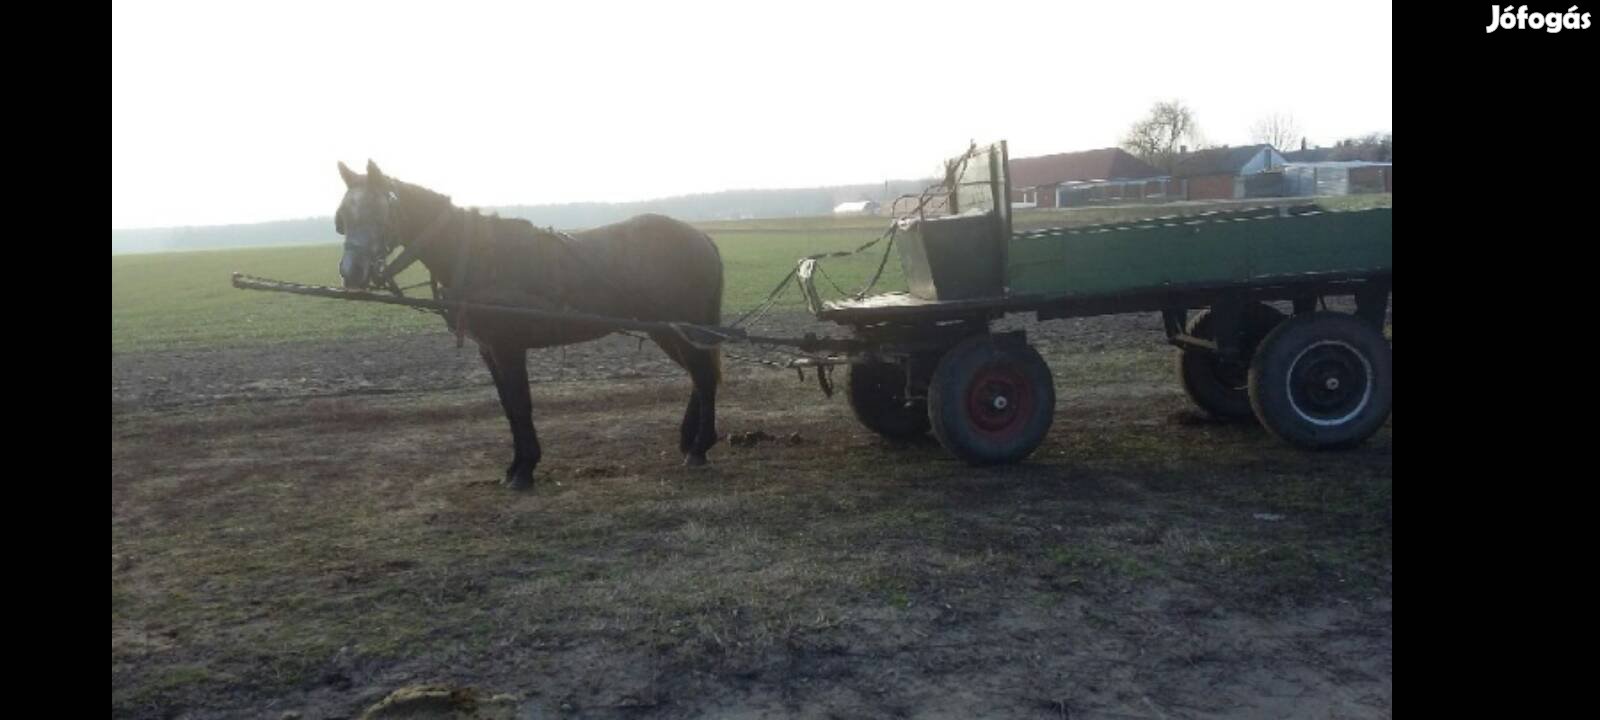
[929, 360]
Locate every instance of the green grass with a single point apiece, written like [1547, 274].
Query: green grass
[183, 300]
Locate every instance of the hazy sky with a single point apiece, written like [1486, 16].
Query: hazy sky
[237, 112]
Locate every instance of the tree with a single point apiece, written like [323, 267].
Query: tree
[1375, 147]
[1158, 138]
[1278, 130]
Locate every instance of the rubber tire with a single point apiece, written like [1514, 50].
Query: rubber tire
[1275, 359]
[1200, 372]
[876, 392]
[948, 396]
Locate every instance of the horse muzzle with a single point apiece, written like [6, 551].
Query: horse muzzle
[355, 269]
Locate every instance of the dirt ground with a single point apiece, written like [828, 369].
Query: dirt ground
[306, 528]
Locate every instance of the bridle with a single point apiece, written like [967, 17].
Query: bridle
[387, 271]
[384, 272]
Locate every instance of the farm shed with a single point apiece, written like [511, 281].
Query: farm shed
[1091, 192]
[859, 207]
[1231, 173]
[1104, 175]
[1352, 177]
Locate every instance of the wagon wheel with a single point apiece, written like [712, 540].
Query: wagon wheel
[877, 394]
[991, 402]
[1220, 386]
[1323, 381]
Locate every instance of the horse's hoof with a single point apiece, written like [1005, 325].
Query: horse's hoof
[521, 483]
[694, 459]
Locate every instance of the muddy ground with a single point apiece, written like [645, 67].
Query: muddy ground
[305, 528]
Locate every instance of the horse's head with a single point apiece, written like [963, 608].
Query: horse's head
[368, 219]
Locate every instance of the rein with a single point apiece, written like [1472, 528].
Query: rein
[408, 256]
[412, 251]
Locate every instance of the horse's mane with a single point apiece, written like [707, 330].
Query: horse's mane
[484, 238]
[413, 194]
[431, 203]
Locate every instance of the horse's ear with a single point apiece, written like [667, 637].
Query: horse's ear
[375, 177]
[350, 176]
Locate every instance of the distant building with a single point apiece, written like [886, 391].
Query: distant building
[1230, 173]
[860, 207]
[1310, 155]
[1336, 177]
[1081, 178]
[1369, 149]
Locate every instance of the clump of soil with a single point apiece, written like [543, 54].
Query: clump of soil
[441, 702]
[756, 437]
[750, 439]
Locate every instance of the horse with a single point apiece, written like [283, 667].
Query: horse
[649, 267]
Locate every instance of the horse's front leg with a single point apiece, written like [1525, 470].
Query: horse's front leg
[509, 367]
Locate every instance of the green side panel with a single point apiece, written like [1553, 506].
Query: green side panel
[1187, 251]
[953, 258]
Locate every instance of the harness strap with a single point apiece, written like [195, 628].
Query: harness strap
[413, 250]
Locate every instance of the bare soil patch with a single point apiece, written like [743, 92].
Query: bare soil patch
[286, 538]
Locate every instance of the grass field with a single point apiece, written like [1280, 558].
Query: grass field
[184, 300]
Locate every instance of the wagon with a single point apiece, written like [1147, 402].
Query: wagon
[928, 359]
[1316, 379]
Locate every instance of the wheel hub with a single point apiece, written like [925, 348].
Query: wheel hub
[1329, 383]
[997, 399]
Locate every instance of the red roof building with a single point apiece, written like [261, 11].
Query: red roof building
[1037, 180]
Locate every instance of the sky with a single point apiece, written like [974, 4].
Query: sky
[239, 112]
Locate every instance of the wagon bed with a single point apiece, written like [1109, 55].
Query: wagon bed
[974, 264]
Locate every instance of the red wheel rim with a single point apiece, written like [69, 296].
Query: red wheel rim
[999, 401]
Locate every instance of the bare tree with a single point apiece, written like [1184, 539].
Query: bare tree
[1278, 130]
[1158, 138]
[1376, 147]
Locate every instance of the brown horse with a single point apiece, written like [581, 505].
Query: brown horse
[647, 268]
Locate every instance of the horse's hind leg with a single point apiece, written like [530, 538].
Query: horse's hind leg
[509, 367]
[689, 430]
[697, 433]
[705, 368]
[505, 405]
